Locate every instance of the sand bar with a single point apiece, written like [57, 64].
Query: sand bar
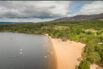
[67, 53]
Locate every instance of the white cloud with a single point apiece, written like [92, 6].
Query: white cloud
[33, 9]
[25, 20]
[95, 7]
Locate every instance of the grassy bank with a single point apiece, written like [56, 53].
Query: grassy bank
[89, 32]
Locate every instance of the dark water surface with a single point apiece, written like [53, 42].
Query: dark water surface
[23, 51]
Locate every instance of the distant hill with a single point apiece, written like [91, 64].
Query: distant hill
[13, 22]
[81, 17]
[6, 22]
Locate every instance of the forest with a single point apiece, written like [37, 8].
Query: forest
[89, 32]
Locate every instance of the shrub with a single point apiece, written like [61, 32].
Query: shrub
[94, 57]
[84, 65]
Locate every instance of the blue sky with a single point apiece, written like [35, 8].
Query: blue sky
[75, 7]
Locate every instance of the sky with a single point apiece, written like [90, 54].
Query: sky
[39, 11]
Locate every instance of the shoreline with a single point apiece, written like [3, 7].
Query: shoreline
[67, 53]
[52, 63]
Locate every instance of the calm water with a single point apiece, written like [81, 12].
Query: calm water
[23, 51]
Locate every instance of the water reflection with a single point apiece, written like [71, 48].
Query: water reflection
[21, 49]
[21, 53]
[31, 47]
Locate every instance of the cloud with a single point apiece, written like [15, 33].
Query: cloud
[95, 7]
[37, 11]
[33, 9]
[25, 19]
[89, 8]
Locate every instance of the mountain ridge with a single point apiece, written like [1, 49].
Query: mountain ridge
[81, 17]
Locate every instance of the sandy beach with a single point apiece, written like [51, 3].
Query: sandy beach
[68, 53]
[95, 66]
